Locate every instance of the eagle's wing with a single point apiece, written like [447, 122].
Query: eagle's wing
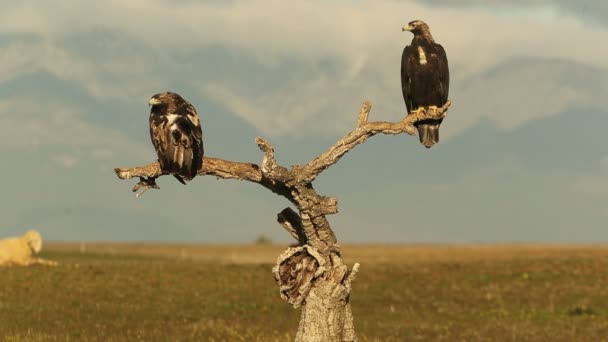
[189, 112]
[161, 139]
[192, 126]
[444, 73]
[405, 78]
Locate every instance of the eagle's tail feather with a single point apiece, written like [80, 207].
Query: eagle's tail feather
[178, 162]
[185, 166]
[428, 132]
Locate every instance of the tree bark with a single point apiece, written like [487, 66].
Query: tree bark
[311, 275]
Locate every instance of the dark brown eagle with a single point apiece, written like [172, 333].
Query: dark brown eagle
[177, 136]
[425, 78]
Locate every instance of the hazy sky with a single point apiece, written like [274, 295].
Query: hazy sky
[522, 157]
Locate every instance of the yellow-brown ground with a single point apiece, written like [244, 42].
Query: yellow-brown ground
[130, 292]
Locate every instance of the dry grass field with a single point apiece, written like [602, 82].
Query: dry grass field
[130, 292]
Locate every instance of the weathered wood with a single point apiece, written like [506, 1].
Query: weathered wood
[311, 275]
[296, 270]
[290, 220]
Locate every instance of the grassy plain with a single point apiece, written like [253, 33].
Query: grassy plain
[131, 292]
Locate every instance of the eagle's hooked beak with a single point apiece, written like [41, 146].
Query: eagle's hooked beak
[154, 101]
[406, 28]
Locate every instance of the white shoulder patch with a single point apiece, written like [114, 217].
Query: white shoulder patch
[171, 118]
[421, 56]
[194, 119]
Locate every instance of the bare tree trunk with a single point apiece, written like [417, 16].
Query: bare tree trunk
[311, 275]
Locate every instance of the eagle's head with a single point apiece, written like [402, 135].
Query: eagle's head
[164, 100]
[417, 27]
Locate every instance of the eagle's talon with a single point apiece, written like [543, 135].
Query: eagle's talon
[145, 184]
[419, 113]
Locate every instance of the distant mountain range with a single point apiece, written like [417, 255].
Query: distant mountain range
[86, 202]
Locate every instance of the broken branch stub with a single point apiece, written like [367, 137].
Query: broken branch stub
[291, 221]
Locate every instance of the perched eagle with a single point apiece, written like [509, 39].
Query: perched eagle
[177, 136]
[425, 78]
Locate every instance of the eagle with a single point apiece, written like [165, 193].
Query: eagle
[177, 136]
[425, 78]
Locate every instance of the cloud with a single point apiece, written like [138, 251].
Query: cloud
[117, 77]
[65, 160]
[27, 124]
[592, 12]
[593, 182]
[590, 184]
[102, 153]
[289, 109]
[525, 89]
[311, 65]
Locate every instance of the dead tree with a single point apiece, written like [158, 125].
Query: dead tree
[312, 274]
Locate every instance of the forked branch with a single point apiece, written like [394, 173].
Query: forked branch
[365, 130]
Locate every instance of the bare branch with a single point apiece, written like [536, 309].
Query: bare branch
[363, 131]
[351, 277]
[364, 114]
[329, 205]
[225, 169]
[150, 170]
[269, 162]
[211, 166]
[270, 167]
[291, 221]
